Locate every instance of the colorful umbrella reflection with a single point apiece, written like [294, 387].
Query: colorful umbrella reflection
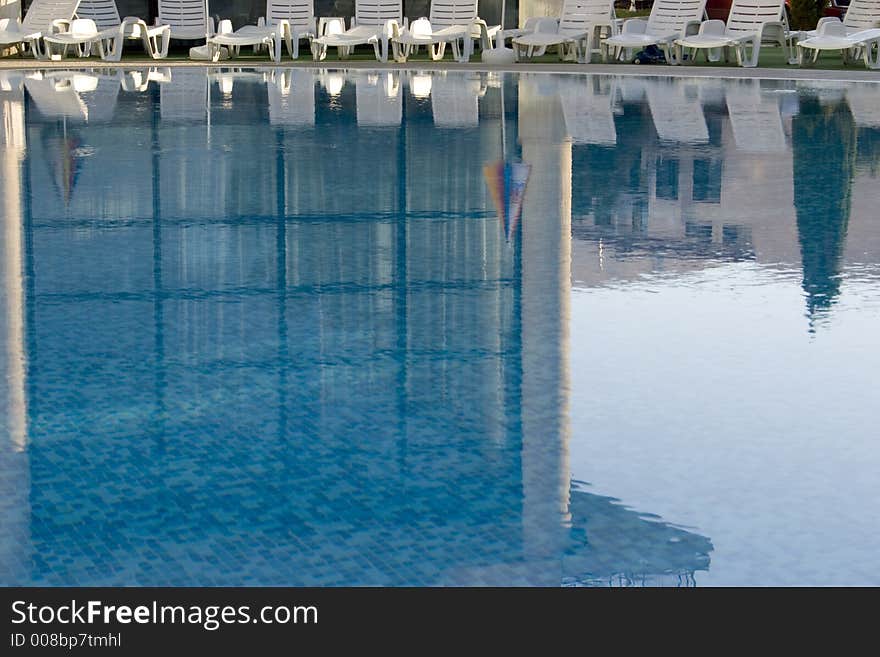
[507, 185]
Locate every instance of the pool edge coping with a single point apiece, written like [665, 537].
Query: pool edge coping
[588, 69]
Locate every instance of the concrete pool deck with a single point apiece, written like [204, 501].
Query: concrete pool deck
[855, 75]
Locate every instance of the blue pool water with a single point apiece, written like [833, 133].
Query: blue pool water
[290, 327]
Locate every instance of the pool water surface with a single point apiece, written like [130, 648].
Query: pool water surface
[324, 327]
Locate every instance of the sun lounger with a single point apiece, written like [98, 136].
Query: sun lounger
[833, 36]
[450, 22]
[114, 32]
[669, 20]
[38, 22]
[573, 34]
[286, 21]
[749, 24]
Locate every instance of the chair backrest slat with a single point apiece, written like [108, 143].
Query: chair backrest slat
[747, 16]
[376, 12]
[299, 13]
[186, 15]
[452, 12]
[580, 15]
[863, 14]
[41, 13]
[671, 16]
[103, 12]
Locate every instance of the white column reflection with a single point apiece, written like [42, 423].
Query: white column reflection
[546, 266]
[14, 465]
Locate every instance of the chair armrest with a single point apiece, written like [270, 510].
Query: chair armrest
[479, 26]
[391, 29]
[326, 21]
[60, 25]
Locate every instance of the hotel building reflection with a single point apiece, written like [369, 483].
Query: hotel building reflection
[271, 381]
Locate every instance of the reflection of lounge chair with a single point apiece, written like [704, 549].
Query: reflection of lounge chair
[74, 95]
[455, 101]
[755, 118]
[139, 79]
[374, 23]
[669, 20]
[37, 23]
[573, 34]
[749, 24]
[863, 99]
[185, 96]
[11, 81]
[677, 115]
[587, 107]
[291, 97]
[286, 21]
[115, 31]
[378, 99]
[453, 22]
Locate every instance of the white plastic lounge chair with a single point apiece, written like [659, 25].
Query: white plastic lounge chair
[379, 100]
[81, 34]
[291, 93]
[115, 31]
[677, 115]
[574, 33]
[375, 22]
[38, 22]
[754, 118]
[286, 21]
[588, 109]
[453, 22]
[187, 19]
[455, 102]
[832, 35]
[669, 20]
[749, 24]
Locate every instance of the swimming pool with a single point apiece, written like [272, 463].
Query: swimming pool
[319, 327]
